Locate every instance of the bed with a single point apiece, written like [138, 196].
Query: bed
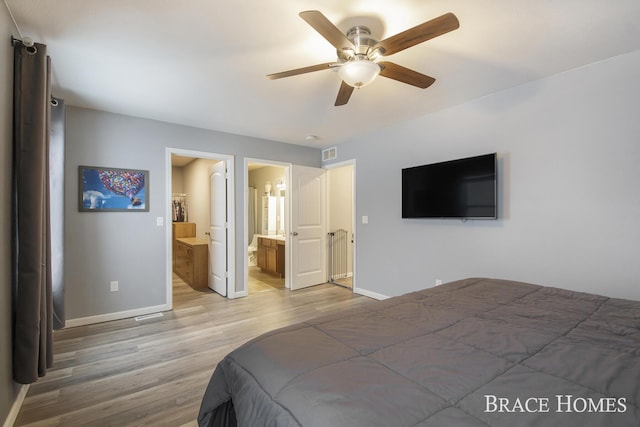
[475, 352]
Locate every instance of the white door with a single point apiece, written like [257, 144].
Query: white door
[308, 236]
[218, 229]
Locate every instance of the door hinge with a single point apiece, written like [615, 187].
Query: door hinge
[226, 274]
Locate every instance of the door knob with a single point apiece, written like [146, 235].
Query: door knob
[295, 233]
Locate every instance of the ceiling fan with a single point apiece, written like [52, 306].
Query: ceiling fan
[358, 52]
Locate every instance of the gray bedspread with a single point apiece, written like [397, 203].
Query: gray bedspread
[474, 352]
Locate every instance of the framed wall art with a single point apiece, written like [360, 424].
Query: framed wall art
[104, 189]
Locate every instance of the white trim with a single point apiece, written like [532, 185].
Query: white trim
[107, 317]
[369, 294]
[231, 226]
[241, 294]
[341, 164]
[17, 405]
[231, 212]
[288, 203]
[168, 259]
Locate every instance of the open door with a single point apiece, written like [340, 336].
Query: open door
[308, 234]
[218, 229]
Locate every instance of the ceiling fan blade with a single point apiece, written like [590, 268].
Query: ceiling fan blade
[302, 70]
[344, 94]
[405, 75]
[326, 29]
[418, 34]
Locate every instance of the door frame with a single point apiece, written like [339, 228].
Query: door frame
[221, 168]
[287, 246]
[231, 237]
[354, 222]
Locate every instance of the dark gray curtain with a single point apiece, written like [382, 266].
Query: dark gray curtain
[32, 300]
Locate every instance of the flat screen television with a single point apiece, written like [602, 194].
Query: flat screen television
[462, 188]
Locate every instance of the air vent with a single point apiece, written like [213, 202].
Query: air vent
[329, 154]
[148, 316]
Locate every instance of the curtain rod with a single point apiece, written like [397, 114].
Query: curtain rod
[31, 48]
[29, 45]
[26, 41]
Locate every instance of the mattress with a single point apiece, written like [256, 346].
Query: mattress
[474, 352]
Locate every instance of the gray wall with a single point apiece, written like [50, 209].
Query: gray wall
[128, 246]
[569, 191]
[7, 392]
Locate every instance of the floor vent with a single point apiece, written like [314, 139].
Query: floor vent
[148, 316]
[329, 154]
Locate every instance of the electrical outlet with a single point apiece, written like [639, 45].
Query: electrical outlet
[438, 282]
[114, 286]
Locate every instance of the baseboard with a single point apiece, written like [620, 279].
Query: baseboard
[369, 294]
[81, 321]
[239, 294]
[15, 408]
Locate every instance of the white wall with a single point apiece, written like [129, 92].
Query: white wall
[197, 187]
[258, 178]
[7, 392]
[569, 175]
[176, 179]
[128, 246]
[340, 194]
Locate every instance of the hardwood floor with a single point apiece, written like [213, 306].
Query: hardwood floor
[346, 282]
[259, 280]
[154, 371]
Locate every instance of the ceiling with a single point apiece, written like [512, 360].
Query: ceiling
[181, 161]
[203, 63]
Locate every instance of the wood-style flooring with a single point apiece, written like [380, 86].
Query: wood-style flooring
[154, 372]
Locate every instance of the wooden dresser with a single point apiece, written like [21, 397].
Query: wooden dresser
[192, 261]
[271, 255]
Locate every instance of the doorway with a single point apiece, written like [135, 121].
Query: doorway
[339, 207]
[341, 223]
[189, 197]
[267, 222]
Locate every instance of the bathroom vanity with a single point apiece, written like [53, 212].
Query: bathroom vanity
[192, 261]
[181, 229]
[190, 255]
[271, 254]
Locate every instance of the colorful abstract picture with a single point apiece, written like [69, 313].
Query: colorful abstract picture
[112, 189]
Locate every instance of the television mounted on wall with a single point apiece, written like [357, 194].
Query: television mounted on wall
[462, 188]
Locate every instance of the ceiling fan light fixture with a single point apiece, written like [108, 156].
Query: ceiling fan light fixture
[358, 51]
[359, 71]
[375, 53]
